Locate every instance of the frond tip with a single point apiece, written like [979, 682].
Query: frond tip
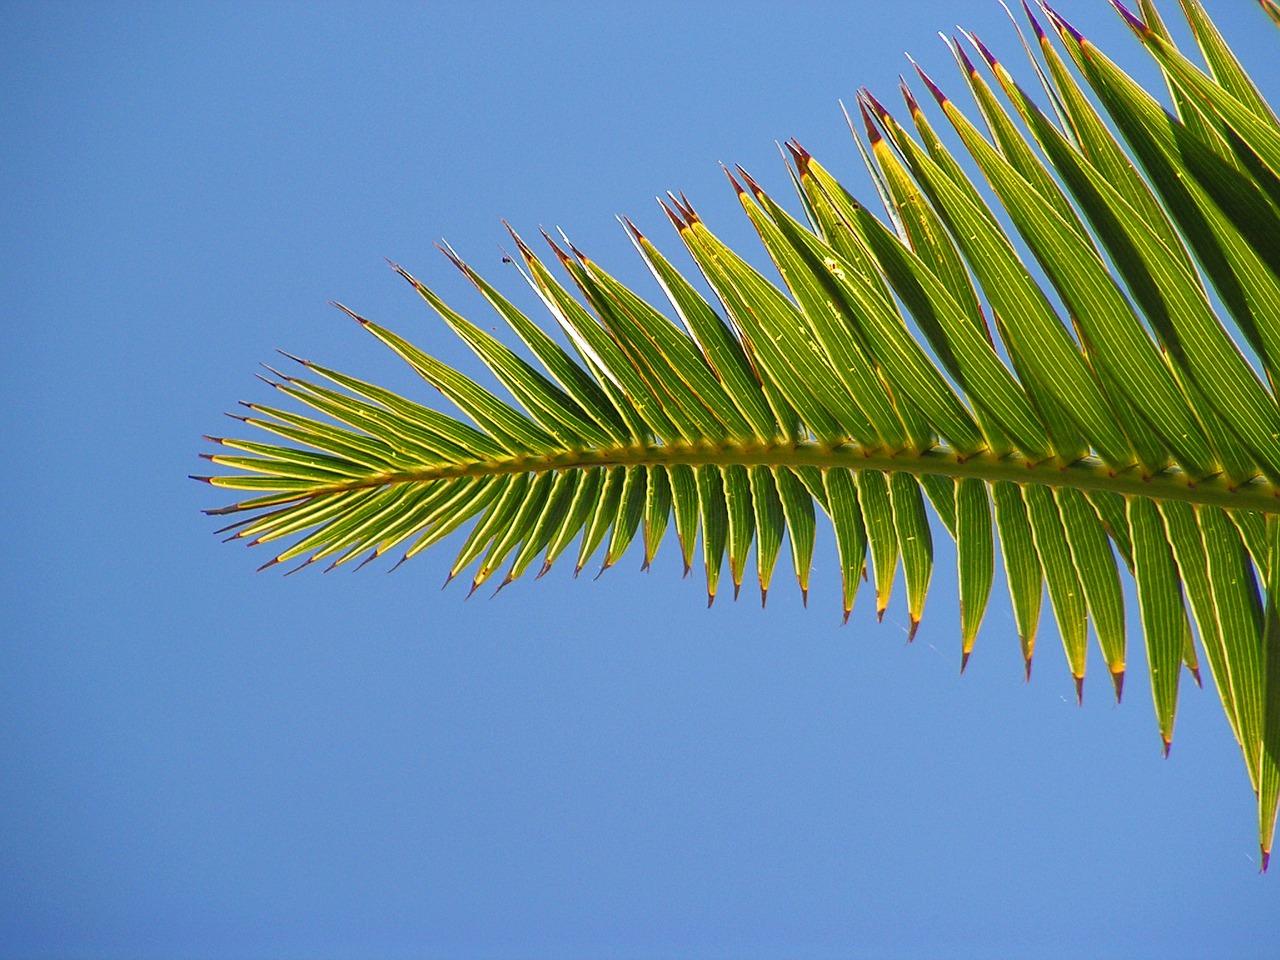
[1106, 422]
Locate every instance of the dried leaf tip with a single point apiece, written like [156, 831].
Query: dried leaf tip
[865, 95]
[679, 225]
[1035, 24]
[911, 631]
[1079, 691]
[520, 244]
[354, 316]
[764, 596]
[1062, 25]
[1027, 677]
[632, 228]
[1167, 745]
[563, 257]
[964, 661]
[1117, 681]
[981, 47]
[737, 187]
[965, 63]
[1135, 24]
[908, 97]
[800, 154]
[751, 184]
[1195, 675]
[297, 360]
[873, 133]
[933, 87]
[1266, 859]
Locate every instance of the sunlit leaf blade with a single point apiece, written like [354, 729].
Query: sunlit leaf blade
[975, 557]
[1096, 566]
[770, 525]
[915, 541]
[1161, 609]
[1096, 398]
[1269, 752]
[851, 537]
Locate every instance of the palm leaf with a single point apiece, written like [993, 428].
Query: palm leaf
[1109, 417]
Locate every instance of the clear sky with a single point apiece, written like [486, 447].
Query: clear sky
[197, 761]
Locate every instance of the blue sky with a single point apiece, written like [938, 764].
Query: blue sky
[199, 761]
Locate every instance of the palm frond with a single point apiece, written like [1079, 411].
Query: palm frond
[1108, 418]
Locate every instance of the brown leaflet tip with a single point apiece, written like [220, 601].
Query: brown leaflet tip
[396, 566]
[880, 614]
[764, 596]
[448, 252]
[964, 661]
[736, 186]
[205, 436]
[1195, 674]
[546, 568]
[475, 585]
[505, 580]
[933, 87]
[800, 155]
[560, 254]
[1167, 744]
[711, 598]
[915, 625]
[520, 244]
[908, 97]
[369, 559]
[1117, 681]
[192, 476]
[876, 105]
[1079, 691]
[448, 579]
[270, 563]
[305, 563]
[688, 567]
[1266, 859]
[965, 62]
[635, 232]
[1027, 678]
[873, 134]
[1062, 25]
[297, 360]
[348, 312]
[737, 588]
[1035, 24]
[982, 49]
[1138, 27]
[603, 567]
[751, 184]
[572, 249]
[671, 214]
[644, 566]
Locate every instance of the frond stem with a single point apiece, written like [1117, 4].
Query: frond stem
[1088, 473]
